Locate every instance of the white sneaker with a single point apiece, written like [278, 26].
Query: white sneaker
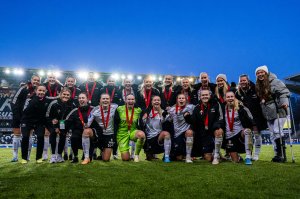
[188, 160]
[59, 159]
[255, 158]
[136, 158]
[215, 161]
[53, 159]
[115, 157]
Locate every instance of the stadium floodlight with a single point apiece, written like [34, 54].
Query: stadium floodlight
[57, 74]
[178, 79]
[160, 78]
[96, 76]
[153, 78]
[191, 79]
[7, 71]
[139, 77]
[123, 76]
[116, 76]
[18, 71]
[82, 75]
[41, 73]
[130, 77]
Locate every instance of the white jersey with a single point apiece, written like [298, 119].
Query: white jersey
[96, 115]
[153, 125]
[237, 125]
[180, 125]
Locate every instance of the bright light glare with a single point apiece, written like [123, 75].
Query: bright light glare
[153, 78]
[82, 75]
[191, 79]
[178, 79]
[18, 71]
[160, 78]
[41, 73]
[96, 75]
[57, 74]
[130, 77]
[7, 71]
[116, 76]
[123, 76]
[139, 77]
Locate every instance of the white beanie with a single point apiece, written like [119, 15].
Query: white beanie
[223, 76]
[264, 68]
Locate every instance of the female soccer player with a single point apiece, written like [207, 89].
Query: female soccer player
[53, 87]
[168, 93]
[77, 121]
[17, 106]
[127, 117]
[33, 119]
[221, 88]
[145, 93]
[56, 115]
[186, 89]
[183, 134]
[158, 140]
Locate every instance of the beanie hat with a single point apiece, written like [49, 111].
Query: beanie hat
[264, 68]
[223, 76]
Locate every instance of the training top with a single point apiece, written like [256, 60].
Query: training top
[153, 125]
[180, 125]
[96, 115]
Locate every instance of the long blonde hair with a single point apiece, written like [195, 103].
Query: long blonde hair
[142, 86]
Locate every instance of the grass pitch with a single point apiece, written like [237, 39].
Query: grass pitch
[117, 179]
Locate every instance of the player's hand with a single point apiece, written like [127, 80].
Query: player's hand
[186, 114]
[284, 106]
[57, 131]
[145, 116]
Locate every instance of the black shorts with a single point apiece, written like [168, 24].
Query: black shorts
[207, 143]
[236, 144]
[153, 145]
[105, 141]
[179, 145]
[16, 123]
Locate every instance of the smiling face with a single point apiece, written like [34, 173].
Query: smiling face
[130, 101]
[244, 82]
[205, 96]
[229, 98]
[168, 80]
[156, 102]
[70, 82]
[261, 74]
[127, 84]
[83, 100]
[51, 79]
[185, 84]
[40, 91]
[148, 83]
[111, 82]
[105, 100]
[65, 96]
[35, 81]
[220, 82]
[181, 100]
[204, 78]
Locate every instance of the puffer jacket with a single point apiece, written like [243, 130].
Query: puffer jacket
[280, 94]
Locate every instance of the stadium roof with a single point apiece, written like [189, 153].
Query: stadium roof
[293, 83]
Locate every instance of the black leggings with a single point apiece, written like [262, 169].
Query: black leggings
[76, 143]
[61, 143]
[39, 130]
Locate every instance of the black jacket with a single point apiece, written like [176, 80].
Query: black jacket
[164, 95]
[117, 98]
[19, 99]
[53, 90]
[59, 111]
[96, 95]
[215, 118]
[252, 102]
[34, 111]
[75, 91]
[140, 100]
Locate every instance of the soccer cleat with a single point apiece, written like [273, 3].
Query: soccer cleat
[24, 161]
[278, 159]
[248, 161]
[215, 161]
[167, 159]
[39, 161]
[75, 160]
[86, 161]
[136, 158]
[59, 159]
[188, 160]
[14, 159]
[53, 159]
[255, 158]
[94, 156]
[115, 157]
[65, 156]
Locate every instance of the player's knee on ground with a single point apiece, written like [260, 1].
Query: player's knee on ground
[164, 135]
[125, 156]
[218, 133]
[189, 133]
[208, 156]
[106, 154]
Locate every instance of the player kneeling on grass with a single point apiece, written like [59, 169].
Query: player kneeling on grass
[77, 121]
[238, 122]
[157, 141]
[183, 135]
[126, 120]
[207, 122]
[104, 115]
[33, 119]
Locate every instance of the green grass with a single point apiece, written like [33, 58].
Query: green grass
[117, 179]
